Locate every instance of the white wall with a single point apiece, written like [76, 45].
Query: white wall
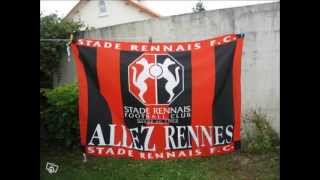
[261, 54]
[118, 13]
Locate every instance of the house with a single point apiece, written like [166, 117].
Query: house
[104, 13]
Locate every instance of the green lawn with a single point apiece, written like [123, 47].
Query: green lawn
[231, 166]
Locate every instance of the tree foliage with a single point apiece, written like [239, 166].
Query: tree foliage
[199, 7]
[51, 52]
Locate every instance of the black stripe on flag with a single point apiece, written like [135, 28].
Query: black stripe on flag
[223, 105]
[98, 108]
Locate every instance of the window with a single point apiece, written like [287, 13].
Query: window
[102, 8]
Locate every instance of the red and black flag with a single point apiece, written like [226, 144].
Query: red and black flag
[159, 100]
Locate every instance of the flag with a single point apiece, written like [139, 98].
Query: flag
[153, 101]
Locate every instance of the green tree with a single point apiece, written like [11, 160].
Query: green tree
[52, 52]
[199, 7]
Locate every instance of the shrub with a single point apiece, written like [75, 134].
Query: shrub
[60, 116]
[262, 138]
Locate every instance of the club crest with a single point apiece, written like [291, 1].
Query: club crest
[156, 79]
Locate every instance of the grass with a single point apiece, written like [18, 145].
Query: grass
[224, 167]
[258, 160]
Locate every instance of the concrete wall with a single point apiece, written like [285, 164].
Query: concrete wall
[261, 55]
[118, 12]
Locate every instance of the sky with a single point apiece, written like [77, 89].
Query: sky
[165, 7]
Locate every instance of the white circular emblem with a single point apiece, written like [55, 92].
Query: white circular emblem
[155, 70]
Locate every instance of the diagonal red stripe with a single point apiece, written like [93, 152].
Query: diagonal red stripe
[108, 70]
[236, 75]
[203, 82]
[83, 95]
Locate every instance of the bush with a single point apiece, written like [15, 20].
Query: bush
[262, 138]
[60, 116]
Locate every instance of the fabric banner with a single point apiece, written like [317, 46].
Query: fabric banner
[153, 101]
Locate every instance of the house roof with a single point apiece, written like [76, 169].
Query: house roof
[133, 3]
[142, 8]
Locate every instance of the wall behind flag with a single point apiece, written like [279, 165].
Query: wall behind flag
[261, 54]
